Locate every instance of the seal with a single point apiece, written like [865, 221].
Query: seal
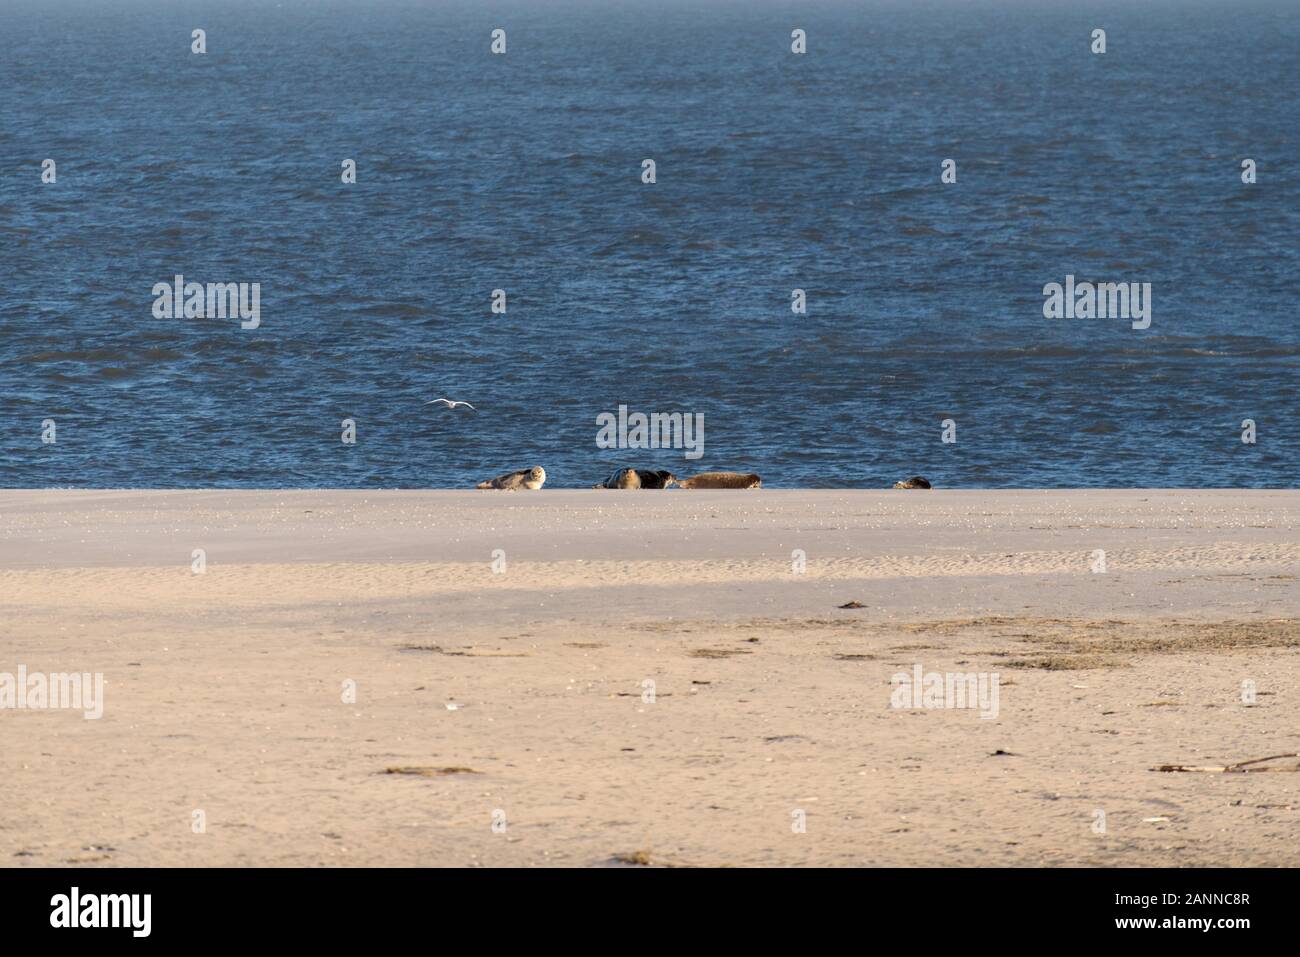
[532, 478]
[914, 482]
[656, 478]
[621, 478]
[639, 478]
[722, 480]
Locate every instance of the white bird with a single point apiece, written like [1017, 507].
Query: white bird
[451, 405]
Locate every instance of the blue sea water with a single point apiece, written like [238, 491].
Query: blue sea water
[775, 171]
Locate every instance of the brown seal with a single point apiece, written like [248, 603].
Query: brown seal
[722, 480]
[532, 478]
[914, 482]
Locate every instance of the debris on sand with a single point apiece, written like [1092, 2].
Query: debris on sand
[1065, 662]
[644, 859]
[426, 772]
[1241, 767]
[853, 604]
[468, 651]
[637, 858]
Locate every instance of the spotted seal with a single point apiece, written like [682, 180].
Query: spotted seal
[621, 478]
[639, 478]
[532, 478]
[914, 482]
[656, 478]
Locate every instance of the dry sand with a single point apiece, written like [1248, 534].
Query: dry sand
[224, 690]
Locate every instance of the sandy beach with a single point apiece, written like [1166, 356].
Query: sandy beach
[500, 646]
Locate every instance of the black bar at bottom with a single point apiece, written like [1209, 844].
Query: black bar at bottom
[621, 906]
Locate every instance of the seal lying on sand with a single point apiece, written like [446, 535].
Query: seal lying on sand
[639, 478]
[656, 478]
[532, 478]
[722, 480]
[621, 478]
[914, 482]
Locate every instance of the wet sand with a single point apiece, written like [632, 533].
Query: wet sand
[510, 636]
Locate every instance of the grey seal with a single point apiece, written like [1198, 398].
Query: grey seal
[532, 478]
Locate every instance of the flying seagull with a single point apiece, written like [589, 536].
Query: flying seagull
[451, 405]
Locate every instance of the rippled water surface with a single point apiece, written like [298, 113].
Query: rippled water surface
[775, 172]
